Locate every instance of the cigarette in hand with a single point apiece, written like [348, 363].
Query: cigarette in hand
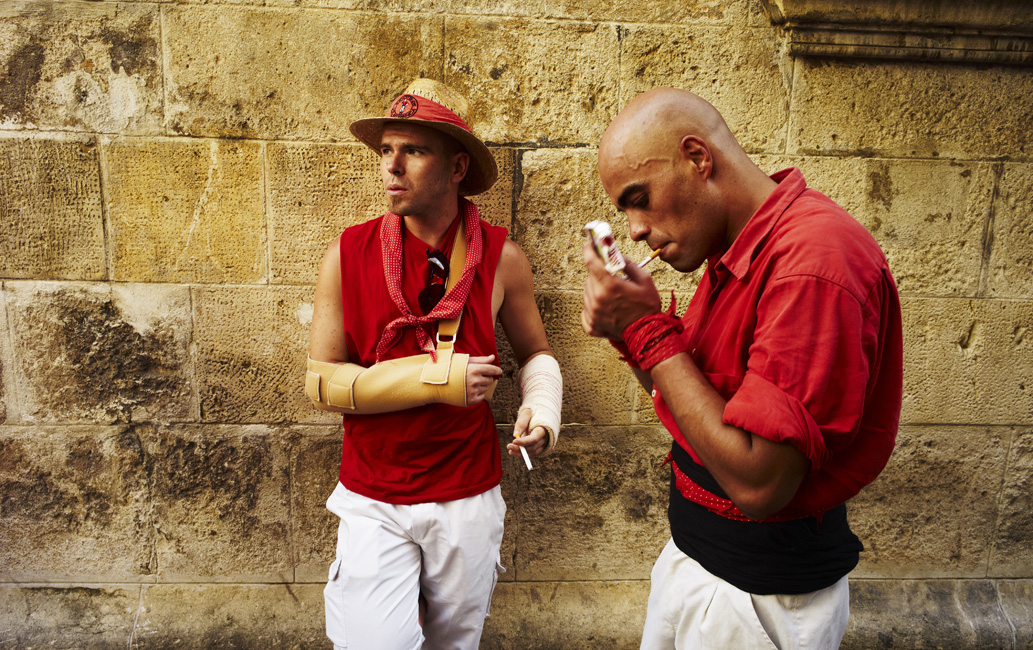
[649, 259]
[527, 459]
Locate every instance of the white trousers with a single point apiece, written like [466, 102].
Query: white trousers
[689, 608]
[387, 555]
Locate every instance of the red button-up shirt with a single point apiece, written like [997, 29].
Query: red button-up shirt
[797, 325]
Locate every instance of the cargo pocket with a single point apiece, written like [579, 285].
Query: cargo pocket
[494, 582]
[333, 603]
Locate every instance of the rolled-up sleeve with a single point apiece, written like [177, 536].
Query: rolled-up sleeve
[808, 368]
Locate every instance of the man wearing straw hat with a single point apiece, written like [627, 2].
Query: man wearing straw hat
[403, 344]
[780, 385]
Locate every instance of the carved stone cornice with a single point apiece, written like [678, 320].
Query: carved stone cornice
[996, 32]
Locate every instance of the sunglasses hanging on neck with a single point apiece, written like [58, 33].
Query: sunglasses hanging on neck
[437, 276]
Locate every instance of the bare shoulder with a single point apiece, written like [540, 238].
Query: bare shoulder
[512, 277]
[513, 263]
[329, 267]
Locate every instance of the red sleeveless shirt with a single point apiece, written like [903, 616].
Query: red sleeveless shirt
[429, 453]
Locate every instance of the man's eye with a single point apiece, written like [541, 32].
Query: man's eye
[641, 202]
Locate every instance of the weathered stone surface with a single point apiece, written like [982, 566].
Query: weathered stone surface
[597, 387]
[932, 513]
[742, 72]
[221, 499]
[920, 614]
[534, 81]
[50, 208]
[316, 191]
[298, 74]
[80, 66]
[75, 504]
[186, 211]
[285, 617]
[251, 351]
[596, 509]
[1011, 554]
[910, 111]
[100, 353]
[559, 193]
[967, 361]
[315, 465]
[1011, 256]
[929, 216]
[668, 11]
[71, 618]
[566, 615]
[1017, 603]
[6, 358]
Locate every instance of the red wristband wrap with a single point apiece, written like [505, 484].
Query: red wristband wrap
[654, 338]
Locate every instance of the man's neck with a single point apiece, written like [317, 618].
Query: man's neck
[431, 228]
[754, 187]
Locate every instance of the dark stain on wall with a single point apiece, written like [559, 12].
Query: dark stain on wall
[79, 493]
[881, 186]
[85, 359]
[227, 472]
[23, 70]
[133, 50]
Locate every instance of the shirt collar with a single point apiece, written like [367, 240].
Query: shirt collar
[740, 254]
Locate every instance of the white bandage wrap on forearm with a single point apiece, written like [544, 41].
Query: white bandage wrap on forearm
[389, 385]
[541, 386]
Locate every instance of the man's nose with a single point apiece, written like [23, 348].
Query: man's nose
[393, 164]
[636, 228]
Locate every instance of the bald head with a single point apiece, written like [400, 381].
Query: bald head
[653, 124]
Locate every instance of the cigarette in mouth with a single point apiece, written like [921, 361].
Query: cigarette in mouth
[527, 459]
[649, 259]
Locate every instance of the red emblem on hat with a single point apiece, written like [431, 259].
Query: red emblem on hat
[405, 106]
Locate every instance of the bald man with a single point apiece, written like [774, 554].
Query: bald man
[780, 384]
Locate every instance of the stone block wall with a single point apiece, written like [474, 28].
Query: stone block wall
[171, 172]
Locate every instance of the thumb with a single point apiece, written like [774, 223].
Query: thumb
[634, 273]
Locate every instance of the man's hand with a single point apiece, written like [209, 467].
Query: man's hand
[534, 442]
[481, 375]
[611, 303]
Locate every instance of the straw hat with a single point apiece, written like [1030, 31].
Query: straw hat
[435, 105]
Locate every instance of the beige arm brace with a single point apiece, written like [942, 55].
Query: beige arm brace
[541, 386]
[389, 385]
[399, 383]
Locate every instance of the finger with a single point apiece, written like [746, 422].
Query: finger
[596, 268]
[486, 359]
[535, 442]
[634, 273]
[523, 419]
[484, 371]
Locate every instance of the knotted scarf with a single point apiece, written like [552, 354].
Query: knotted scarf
[451, 304]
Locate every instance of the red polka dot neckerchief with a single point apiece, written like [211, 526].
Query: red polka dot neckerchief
[451, 304]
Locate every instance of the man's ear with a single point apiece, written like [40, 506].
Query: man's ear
[698, 154]
[460, 165]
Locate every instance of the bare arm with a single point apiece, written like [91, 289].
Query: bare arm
[326, 336]
[513, 299]
[759, 476]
